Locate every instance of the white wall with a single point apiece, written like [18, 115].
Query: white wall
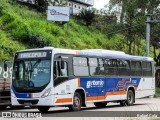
[76, 7]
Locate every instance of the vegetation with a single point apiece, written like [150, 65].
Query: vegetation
[8, 46]
[88, 16]
[31, 29]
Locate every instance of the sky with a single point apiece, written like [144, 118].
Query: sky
[100, 3]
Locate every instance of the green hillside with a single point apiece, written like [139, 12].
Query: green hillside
[22, 27]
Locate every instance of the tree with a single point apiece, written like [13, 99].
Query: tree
[58, 2]
[119, 4]
[88, 16]
[127, 15]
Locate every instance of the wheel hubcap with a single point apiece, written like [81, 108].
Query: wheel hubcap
[77, 101]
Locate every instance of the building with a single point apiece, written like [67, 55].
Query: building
[78, 5]
[75, 5]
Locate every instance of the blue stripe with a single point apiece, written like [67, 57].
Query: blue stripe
[21, 95]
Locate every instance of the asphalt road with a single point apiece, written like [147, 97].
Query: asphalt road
[148, 108]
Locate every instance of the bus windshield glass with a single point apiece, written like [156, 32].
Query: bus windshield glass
[31, 74]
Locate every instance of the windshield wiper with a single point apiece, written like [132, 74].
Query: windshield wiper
[30, 69]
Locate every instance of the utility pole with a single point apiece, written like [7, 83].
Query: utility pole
[148, 32]
[151, 18]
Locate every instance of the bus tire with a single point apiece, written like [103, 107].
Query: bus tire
[130, 98]
[100, 104]
[77, 102]
[43, 109]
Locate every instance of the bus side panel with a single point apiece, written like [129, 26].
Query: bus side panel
[64, 92]
[145, 88]
[148, 83]
[119, 91]
[144, 93]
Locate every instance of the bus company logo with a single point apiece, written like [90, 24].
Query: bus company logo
[134, 81]
[94, 83]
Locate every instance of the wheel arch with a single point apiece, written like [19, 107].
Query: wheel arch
[133, 89]
[81, 91]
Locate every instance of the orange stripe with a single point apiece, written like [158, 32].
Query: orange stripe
[115, 93]
[95, 98]
[79, 84]
[76, 52]
[101, 97]
[107, 94]
[61, 100]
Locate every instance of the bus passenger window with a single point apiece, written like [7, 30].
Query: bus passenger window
[136, 68]
[93, 66]
[123, 67]
[147, 68]
[80, 66]
[110, 66]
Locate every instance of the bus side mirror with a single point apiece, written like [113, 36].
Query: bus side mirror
[5, 66]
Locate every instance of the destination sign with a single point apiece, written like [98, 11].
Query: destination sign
[32, 55]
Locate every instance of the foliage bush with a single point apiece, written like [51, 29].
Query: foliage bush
[88, 15]
[35, 41]
[8, 47]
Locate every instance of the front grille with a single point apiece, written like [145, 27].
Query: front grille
[33, 102]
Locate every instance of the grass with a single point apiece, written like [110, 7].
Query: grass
[8, 46]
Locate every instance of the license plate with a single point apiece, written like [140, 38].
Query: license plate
[27, 104]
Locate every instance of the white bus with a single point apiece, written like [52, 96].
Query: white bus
[49, 76]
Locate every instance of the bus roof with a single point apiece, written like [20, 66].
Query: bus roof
[95, 52]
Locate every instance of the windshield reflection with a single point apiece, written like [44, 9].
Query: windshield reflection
[31, 73]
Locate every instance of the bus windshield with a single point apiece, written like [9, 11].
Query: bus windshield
[31, 74]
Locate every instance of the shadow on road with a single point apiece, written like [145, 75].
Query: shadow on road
[29, 109]
[89, 108]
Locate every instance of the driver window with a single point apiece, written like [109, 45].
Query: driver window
[60, 69]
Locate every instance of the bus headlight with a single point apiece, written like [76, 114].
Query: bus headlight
[12, 94]
[46, 93]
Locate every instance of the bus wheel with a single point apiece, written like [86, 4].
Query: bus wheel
[130, 98]
[77, 102]
[43, 109]
[100, 104]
